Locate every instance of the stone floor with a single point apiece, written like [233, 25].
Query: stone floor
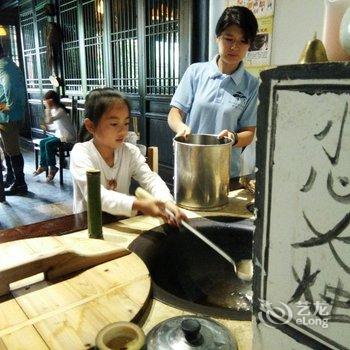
[44, 200]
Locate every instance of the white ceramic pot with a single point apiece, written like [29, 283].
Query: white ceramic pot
[333, 14]
[344, 31]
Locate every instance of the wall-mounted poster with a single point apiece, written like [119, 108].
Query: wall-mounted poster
[259, 56]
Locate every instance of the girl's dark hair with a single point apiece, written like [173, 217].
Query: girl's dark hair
[55, 97]
[97, 102]
[240, 16]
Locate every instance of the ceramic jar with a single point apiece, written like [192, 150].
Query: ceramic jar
[344, 32]
[120, 335]
[333, 14]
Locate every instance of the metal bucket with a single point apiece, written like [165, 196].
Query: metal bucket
[202, 171]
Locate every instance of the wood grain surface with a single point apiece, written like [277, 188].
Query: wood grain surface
[68, 313]
[54, 256]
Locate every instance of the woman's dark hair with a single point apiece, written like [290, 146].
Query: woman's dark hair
[240, 16]
[97, 102]
[55, 97]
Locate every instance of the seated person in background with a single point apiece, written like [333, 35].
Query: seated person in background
[107, 120]
[56, 114]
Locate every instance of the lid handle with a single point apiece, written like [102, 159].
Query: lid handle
[191, 329]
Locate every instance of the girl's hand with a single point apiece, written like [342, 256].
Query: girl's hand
[178, 215]
[151, 207]
[156, 208]
[48, 103]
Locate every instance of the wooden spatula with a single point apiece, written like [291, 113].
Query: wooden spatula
[58, 256]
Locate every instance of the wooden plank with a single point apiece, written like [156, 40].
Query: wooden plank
[78, 327]
[69, 313]
[11, 315]
[55, 256]
[25, 338]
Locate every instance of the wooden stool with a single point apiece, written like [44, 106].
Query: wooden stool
[152, 158]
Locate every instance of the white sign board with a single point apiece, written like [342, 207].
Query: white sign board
[306, 233]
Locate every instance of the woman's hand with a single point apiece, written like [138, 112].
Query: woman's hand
[243, 137]
[178, 215]
[175, 121]
[183, 131]
[229, 134]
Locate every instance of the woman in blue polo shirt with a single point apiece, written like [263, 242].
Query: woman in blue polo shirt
[220, 96]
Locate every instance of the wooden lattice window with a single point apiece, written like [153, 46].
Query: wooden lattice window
[9, 43]
[71, 58]
[13, 44]
[41, 20]
[124, 45]
[162, 46]
[29, 51]
[93, 43]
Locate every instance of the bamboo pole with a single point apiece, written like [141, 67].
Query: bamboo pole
[94, 212]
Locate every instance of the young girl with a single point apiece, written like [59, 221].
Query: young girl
[55, 113]
[107, 120]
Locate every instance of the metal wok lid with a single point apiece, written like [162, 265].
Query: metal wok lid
[190, 332]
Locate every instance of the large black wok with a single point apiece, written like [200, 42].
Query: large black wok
[188, 274]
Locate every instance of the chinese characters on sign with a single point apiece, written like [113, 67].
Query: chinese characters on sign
[307, 209]
[333, 233]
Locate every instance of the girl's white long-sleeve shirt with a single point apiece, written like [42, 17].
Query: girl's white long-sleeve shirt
[61, 124]
[128, 163]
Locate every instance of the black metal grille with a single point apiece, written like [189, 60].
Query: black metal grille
[93, 43]
[124, 45]
[71, 58]
[162, 46]
[41, 2]
[29, 54]
[42, 33]
[13, 44]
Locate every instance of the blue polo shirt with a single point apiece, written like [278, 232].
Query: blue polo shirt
[213, 101]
